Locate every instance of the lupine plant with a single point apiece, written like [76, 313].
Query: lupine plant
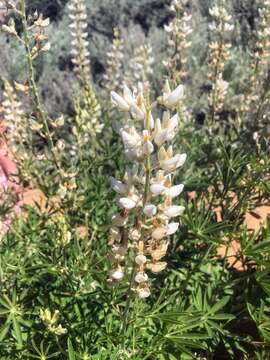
[134, 225]
[149, 178]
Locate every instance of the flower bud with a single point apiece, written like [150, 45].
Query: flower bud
[141, 277]
[117, 274]
[140, 260]
[150, 210]
[127, 203]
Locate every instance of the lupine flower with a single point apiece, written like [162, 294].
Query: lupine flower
[219, 53]
[171, 99]
[140, 66]
[170, 162]
[128, 103]
[258, 63]
[114, 63]
[178, 34]
[87, 108]
[145, 196]
[80, 53]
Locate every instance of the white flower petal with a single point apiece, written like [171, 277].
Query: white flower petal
[173, 163]
[148, 148]
[172, 228]
[174, 122]
[117, 274]
[117, 185]
[168, 28]
[159, 233]
[162, 154]
[134, 234]
[137, 113]
[181, 160]
[173, 211]
[157, 189]
[141, 277]
[120, 102]
[161, 136]
[157, 267]
[175, 190]
[143, 292]
[127, 203]
[175, 96]
[140, 259]
[170, 164]
[129, 140]
[128, 96]
[150, 210]
[152, 122]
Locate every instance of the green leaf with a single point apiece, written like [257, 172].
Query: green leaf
[219, 305]
[71, 353]
[222, 317]
[17, 330]
[4, 330]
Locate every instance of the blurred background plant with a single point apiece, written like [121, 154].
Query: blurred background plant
[213, 299]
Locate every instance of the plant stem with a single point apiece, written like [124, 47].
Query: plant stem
[214, 93]
[33, 88]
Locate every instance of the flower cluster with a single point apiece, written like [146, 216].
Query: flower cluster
[51, 322]
[179, 31]
[219, 53]
[79, 52]
[112, 77]
[87, 116]
[145, 196]
[87, 108]
[15, 122]
[38, 38]
[259, 58]
[262, 44]
[140, 66]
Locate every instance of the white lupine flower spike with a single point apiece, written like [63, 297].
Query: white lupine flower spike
[145, 196]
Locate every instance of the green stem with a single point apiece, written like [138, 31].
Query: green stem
[129, 297]
[33, 87]
[216, 73]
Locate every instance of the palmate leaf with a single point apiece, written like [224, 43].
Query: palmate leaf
[211, 319]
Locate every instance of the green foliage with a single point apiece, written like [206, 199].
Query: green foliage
[55, 301]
